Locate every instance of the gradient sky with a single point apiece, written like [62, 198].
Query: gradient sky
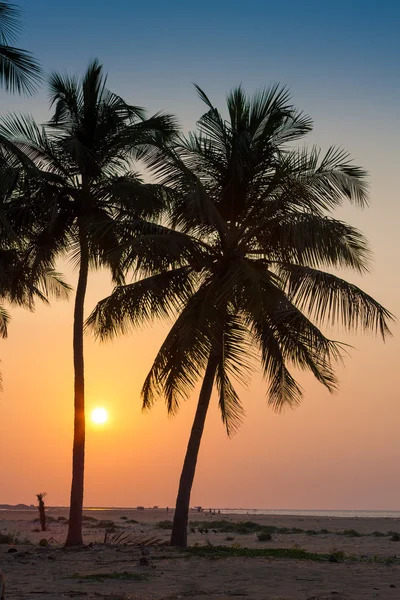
[341, 61]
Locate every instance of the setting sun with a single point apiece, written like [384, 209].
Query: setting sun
[99, 416]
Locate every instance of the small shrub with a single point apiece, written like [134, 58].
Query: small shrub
[324, 531]
[124, 518]
[311, 532]
[351, 533]
[395, 537]
[105, 525]
[132, 521]
[88, 519]
[62, 519]
[263, 536]
[296, 547]
[229, 538]
[378, 534]
[8, 538]
[337, 556]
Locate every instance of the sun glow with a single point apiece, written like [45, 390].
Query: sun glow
[99, 416]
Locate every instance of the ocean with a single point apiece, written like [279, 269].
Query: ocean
[392, 514]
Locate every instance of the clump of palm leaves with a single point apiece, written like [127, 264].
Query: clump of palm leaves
[125, 538]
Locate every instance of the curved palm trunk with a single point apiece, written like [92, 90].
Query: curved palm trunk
[74, 537]
[179, 528]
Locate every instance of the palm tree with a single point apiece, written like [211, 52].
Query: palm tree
[251, 215]
[81, 187]
[19, 71]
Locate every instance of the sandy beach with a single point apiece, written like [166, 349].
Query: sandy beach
[345, 558]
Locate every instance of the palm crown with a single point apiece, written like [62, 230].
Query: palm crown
[251, 229]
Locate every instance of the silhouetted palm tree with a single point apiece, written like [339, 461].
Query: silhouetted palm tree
[19, 71]
[81, 187]
[252, 218]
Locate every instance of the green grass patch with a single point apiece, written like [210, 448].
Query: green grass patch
[116, 576]
[226, 551]
[164, 524]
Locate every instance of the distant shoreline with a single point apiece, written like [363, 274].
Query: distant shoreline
[354, 513]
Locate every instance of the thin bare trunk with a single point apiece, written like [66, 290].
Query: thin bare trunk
[74, 537]
[179, 528]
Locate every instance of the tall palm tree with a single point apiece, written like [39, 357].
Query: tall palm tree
[251, 215]
[81, 187]
[19, 71]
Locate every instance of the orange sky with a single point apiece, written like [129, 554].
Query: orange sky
[337, 451]
[333, 452]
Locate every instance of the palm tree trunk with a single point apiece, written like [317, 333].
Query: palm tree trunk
[181, 516]
[74, 537]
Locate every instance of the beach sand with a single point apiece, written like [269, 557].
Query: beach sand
[370, 569]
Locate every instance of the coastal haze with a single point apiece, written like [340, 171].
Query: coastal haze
[333, 452]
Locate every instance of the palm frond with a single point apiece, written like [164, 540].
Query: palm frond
[4, 321]
[330, 299]
[135, 304]
[184, 354]
[19, 71]
[52, 285]
[311, 239]
[10, 23]
[234, 360]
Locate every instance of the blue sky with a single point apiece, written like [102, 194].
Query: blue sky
[323, 50]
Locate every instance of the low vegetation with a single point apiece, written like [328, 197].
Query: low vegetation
[227, 551]
[10, 537]
[352, 533]
[164, 524]
[296, 553]
[248, 527]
